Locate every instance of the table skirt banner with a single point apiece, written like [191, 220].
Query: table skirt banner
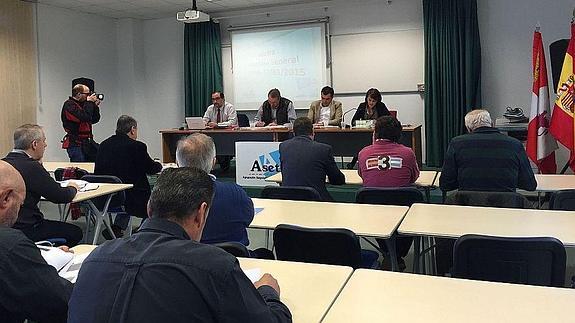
[255, 161]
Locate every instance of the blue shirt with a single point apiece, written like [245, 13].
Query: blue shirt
[231, 212]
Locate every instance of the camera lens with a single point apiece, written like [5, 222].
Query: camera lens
[100, 96]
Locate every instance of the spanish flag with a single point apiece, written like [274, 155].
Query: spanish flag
[562, 121]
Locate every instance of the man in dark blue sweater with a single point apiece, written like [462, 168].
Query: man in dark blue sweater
[232, 210]
[485, 160]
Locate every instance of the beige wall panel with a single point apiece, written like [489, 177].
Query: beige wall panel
[18, 71]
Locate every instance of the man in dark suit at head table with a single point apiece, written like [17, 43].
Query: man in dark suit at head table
[305, 162]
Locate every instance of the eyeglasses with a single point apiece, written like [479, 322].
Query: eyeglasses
[87, 93]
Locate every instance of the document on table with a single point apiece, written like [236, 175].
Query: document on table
[55, 257]
[83, 185]
[258, 210]
[71, 270]
[253, 274]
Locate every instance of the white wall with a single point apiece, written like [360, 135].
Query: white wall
[506, 30]
[72, 45]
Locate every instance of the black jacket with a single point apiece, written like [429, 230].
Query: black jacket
[360, 113]
[128, 160]
[160, 275]
[305, 162]
[29, 287]
[39, 184]
[486, 160]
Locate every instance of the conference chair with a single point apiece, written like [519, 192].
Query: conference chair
[298, 193]
[106, 205]
[322, 246]
[236, 249]
[444, 247]
[562, 200]
[243, 120]
[404, 196]
[531, 261]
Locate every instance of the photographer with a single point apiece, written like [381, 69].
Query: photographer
[79, 112]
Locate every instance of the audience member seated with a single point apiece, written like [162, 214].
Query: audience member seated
[163, 274]
[305, 162]
[29, 146]
[29, 287]
[387, 163]
[326, 111]
[371, 109]
[276, 110]
[123, 156]
[485, 159]
[232, 209]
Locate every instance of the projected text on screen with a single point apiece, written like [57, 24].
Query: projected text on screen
[291, 60]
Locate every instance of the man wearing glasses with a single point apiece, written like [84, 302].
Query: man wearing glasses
[221, 114]
[79, 113]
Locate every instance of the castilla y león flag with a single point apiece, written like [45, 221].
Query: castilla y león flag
[562, 120]
[540, 144]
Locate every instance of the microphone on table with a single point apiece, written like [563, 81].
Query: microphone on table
[343, 124]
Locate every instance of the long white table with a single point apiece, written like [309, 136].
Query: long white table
[426, 178]
[308, 290]
[453, 221]
[382, 296]
[366, 220]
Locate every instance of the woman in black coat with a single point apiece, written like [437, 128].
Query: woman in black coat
[371, 109]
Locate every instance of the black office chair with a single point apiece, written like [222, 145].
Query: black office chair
[116, 205]
[297, 193]
[404, 196]
[323, 246]
[243, 120]
[444, 249]
[562, 200]
[236, 249]
[490, 199]
[531, 261]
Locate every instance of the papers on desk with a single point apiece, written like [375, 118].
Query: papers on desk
[83, 185]
[56, 257]
[253, 274]
[258, 210]
[72, 268]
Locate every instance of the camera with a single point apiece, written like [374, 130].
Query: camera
[100, 96]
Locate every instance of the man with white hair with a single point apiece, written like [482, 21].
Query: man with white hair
[29, 146]
[232, 210]
[485, 159]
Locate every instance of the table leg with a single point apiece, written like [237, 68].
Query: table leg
[390, 243]
[416, 254]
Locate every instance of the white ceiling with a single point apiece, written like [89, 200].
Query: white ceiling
[151, 9]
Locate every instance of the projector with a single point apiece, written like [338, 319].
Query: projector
[192, 16]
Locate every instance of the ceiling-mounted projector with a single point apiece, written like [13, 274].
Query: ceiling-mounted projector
[192, 15]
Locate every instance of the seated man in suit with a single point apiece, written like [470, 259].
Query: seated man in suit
[29, 147]
[326, 111]
[163, 274]
[485, 159]
[29, 287]
[223, 113]
[387, 163]
[305, 162]
[276, 110]
[123, 156]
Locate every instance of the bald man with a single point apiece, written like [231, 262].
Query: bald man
[29, 287]
[79, 113]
